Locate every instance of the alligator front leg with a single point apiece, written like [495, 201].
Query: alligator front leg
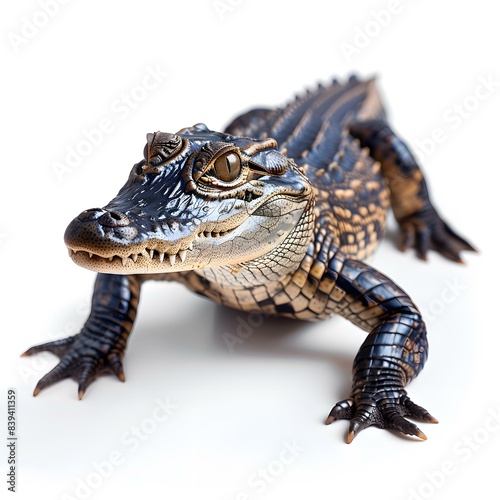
[391, 356]
[421, 225]
[100, 346]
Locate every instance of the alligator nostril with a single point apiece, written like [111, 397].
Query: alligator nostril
[114, 219]
[90, 214]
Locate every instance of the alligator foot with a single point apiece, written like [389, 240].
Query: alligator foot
[387, 413]
[81, 358]
[425, 229]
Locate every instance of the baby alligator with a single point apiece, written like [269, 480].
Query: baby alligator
[276, 216]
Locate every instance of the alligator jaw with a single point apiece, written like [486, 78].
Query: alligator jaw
[150, 258]
[146, 260]
[208, 247]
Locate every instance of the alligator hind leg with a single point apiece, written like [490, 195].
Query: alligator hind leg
[100, 346]
[420, 224]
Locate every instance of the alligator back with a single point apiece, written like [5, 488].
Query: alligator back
[351, 194]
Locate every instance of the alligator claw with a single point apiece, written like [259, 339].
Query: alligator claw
[365, 412]
[426, 230]
[81, 360]
[57, 347]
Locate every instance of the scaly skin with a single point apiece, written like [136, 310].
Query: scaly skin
[275, 216]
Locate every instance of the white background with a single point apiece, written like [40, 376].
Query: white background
[237, 410]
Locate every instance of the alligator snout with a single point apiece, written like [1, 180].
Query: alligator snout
[98, 229]
[104, 217]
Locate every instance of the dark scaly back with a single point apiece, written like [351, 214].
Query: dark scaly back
[351, 194]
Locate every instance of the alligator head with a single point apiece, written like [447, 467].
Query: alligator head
[199, 198]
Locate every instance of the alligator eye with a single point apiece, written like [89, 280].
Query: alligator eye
[227, 167]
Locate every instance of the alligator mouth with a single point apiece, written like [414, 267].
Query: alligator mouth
[145, 258]
[157, 255]
[146, 255]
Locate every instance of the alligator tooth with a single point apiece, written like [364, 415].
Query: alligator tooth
[110, 258]
[151, 253]
[124, 261]
[172, 259]
[135, 257]
[182, 255]
[90, 255]
[190, 247]
[161, 256]
[74, 251]
[70, 253]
